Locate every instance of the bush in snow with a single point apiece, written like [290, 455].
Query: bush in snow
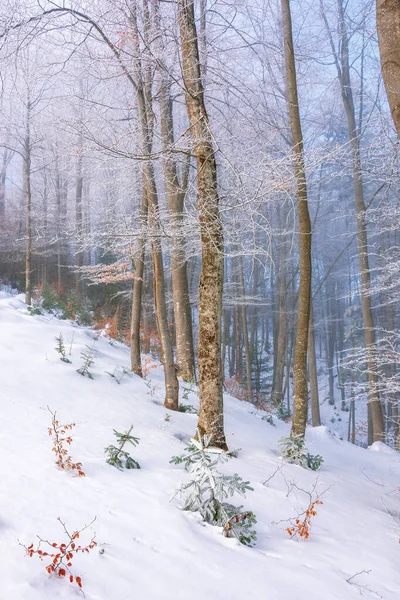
[61, 437]
[293, 450]
[117, 457]
[61, 555]
[208, 490]
[301, 526]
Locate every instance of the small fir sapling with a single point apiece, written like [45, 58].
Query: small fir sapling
[64, 460]
[117, 456]
[293, 450]
[62, 555]
[188, 408]
[208, 490]
[282, 412]
[118, 373]
[88, 360]
[269, 419]
[60, 348]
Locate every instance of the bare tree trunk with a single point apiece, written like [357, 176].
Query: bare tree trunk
[312, 371]
[343, 69]
[211, 419]
[7, 155]
[246, 345]
[388, 26]
[175, 196]
[137, 293]
[28, 208]
[300, 390]
[281, 333]
[78, 224]
[144, 100]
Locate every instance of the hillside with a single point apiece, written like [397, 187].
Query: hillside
[148, 548]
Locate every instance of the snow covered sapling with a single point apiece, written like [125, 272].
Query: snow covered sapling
[60, 348]
[269, 419]
[293, 450]
[208, 490]
[88, 360]
[62, 555]
[282, 412]
[188, 408]
[118, 373]
[64, 460]
[119, 458]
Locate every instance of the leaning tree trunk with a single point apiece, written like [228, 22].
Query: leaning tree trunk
[343, 64]
[300, 391]
[211, 419]
[388, 26]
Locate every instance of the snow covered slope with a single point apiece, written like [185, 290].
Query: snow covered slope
[149, 548]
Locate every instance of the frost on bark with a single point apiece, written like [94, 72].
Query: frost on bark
[300, 387]
[376, 427]
[388, 26]
[211, 420]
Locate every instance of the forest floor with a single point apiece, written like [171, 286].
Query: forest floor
[148, 548]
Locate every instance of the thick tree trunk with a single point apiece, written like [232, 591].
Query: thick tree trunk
[211, 420]
[388, 26]
[300, 391]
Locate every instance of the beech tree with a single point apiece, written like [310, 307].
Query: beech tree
[211, 418]
[388, 26]
[300, 386]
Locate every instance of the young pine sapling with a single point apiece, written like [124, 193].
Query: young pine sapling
[293, 450]
[88, 360]
[60, 348]
[117, 456]
[208, 490]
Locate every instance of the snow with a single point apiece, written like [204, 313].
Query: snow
[152, 549]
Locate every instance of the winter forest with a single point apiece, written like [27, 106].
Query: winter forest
[199, 275]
